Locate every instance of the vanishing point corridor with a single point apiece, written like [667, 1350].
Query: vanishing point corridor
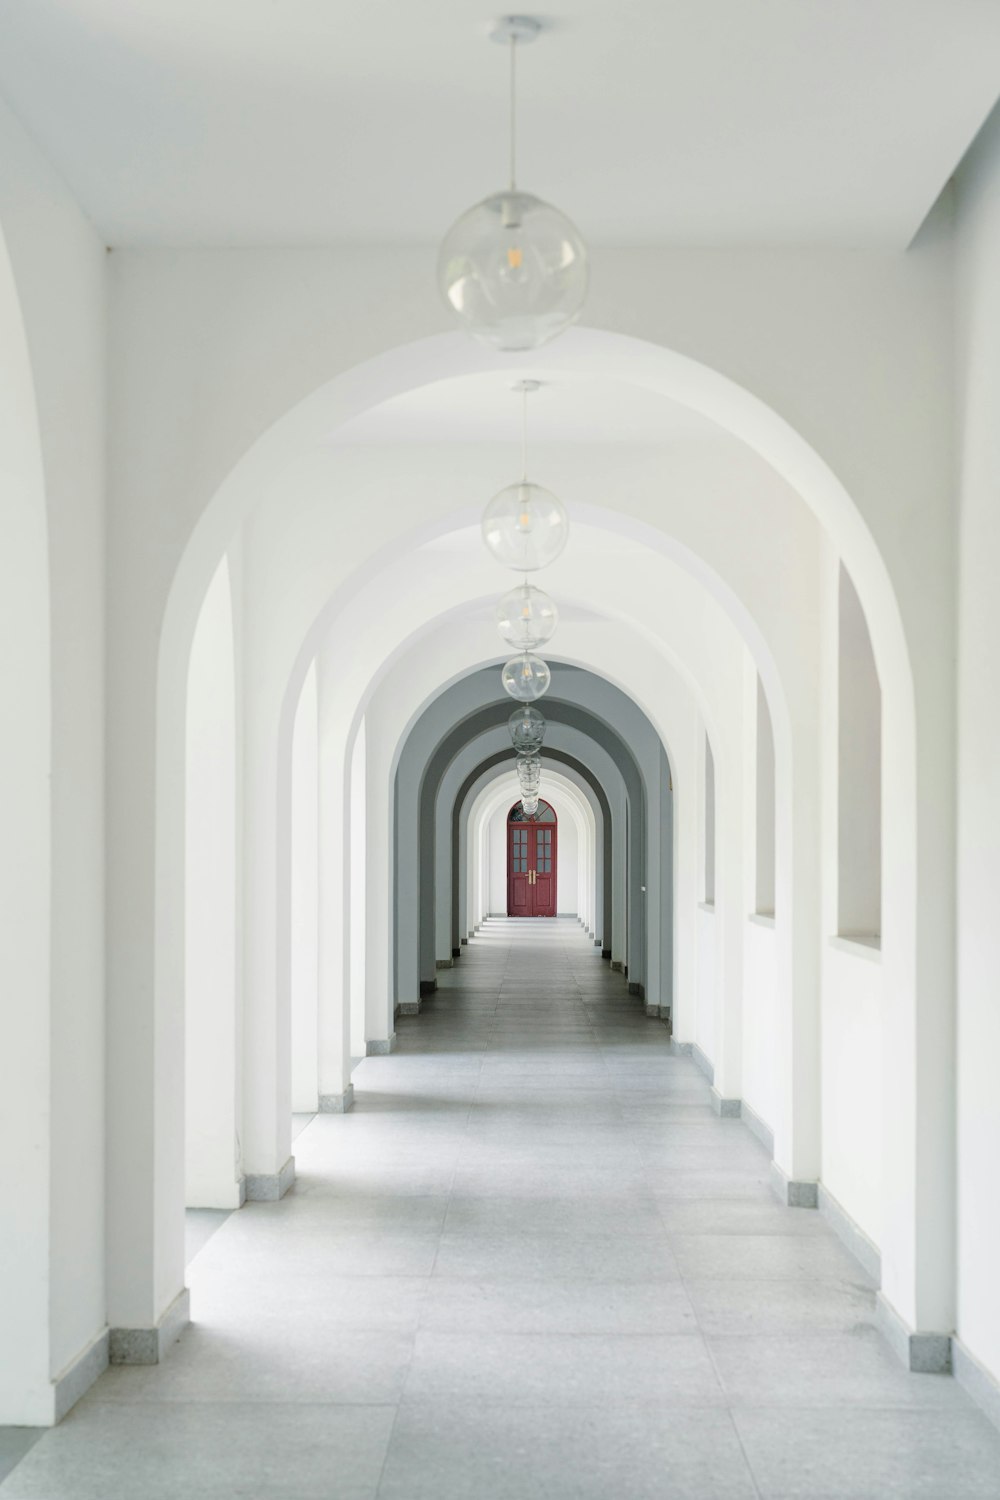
[531, 1262]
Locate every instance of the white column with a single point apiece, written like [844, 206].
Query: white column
[213, 1171]
[356, 890]
[334, 932]
[267, 1098]
[305, 899]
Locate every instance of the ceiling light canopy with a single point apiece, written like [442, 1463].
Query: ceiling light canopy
[513, 268]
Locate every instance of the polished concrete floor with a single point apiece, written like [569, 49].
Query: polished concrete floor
[532, 1262]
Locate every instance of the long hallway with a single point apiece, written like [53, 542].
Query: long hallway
[531, 1262]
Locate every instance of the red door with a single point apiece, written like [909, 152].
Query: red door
[532, 863]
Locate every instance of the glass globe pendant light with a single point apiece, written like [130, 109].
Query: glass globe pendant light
[526, 617]
[514, 269]
[526, 677]
[529, 774]
[525, 526]
[529, 806]
[527, 730]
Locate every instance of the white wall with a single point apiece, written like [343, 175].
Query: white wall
[57, 407]
[852, 1091]
[305, 898]
[978, 885]
[853, 998]
[212, 1074]
[707, 965]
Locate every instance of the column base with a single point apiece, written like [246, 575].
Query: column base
[409, 1007]
[726, 1109]
[268, 1187]
[380, 1046]
[616, 966]
[428, 986]
[465, 942]
[793, 1194]
[444, 963]
[923, 1353]
[337, 1104]
[147, 1346]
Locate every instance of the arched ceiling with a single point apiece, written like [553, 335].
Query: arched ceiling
[253, 123]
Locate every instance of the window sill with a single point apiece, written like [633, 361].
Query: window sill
[860, 945]
[762, 918]
[708, 906]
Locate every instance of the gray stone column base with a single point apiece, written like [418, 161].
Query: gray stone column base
[428, 986]
[79, 1375]
[380, 1046]
[606, 953]
[923, 1353]
[616, 966]
[268, 1187]
[794, 1194]
[147, 1346]
[465, 942]
[337, 1104]
[409, 1007]
[444, 963]
[727, 1109]
[653, 1011]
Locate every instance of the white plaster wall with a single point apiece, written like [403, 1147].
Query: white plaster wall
[211, 998]
[762, 1080]
[707, 964]
[59, 266]
[853, 999]
[357, 849]
[978, 885]
[305, 898]
[853, 1004]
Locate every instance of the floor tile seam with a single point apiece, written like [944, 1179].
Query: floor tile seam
[752, 1473]
[157, 1403]
[388, 1445]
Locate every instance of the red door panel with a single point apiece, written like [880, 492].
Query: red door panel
[518, 867]
[544, 884]
[531, 869]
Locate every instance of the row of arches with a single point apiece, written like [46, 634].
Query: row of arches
[273, 559]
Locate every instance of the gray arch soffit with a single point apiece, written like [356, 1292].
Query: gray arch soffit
[556, 707]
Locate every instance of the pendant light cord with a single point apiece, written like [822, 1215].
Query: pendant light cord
[524, 435]
[513, 114]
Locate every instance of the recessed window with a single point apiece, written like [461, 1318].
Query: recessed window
[859, 779]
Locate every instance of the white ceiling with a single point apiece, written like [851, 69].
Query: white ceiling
[226, 122]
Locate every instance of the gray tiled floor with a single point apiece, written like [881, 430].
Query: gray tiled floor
[531, 1262]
